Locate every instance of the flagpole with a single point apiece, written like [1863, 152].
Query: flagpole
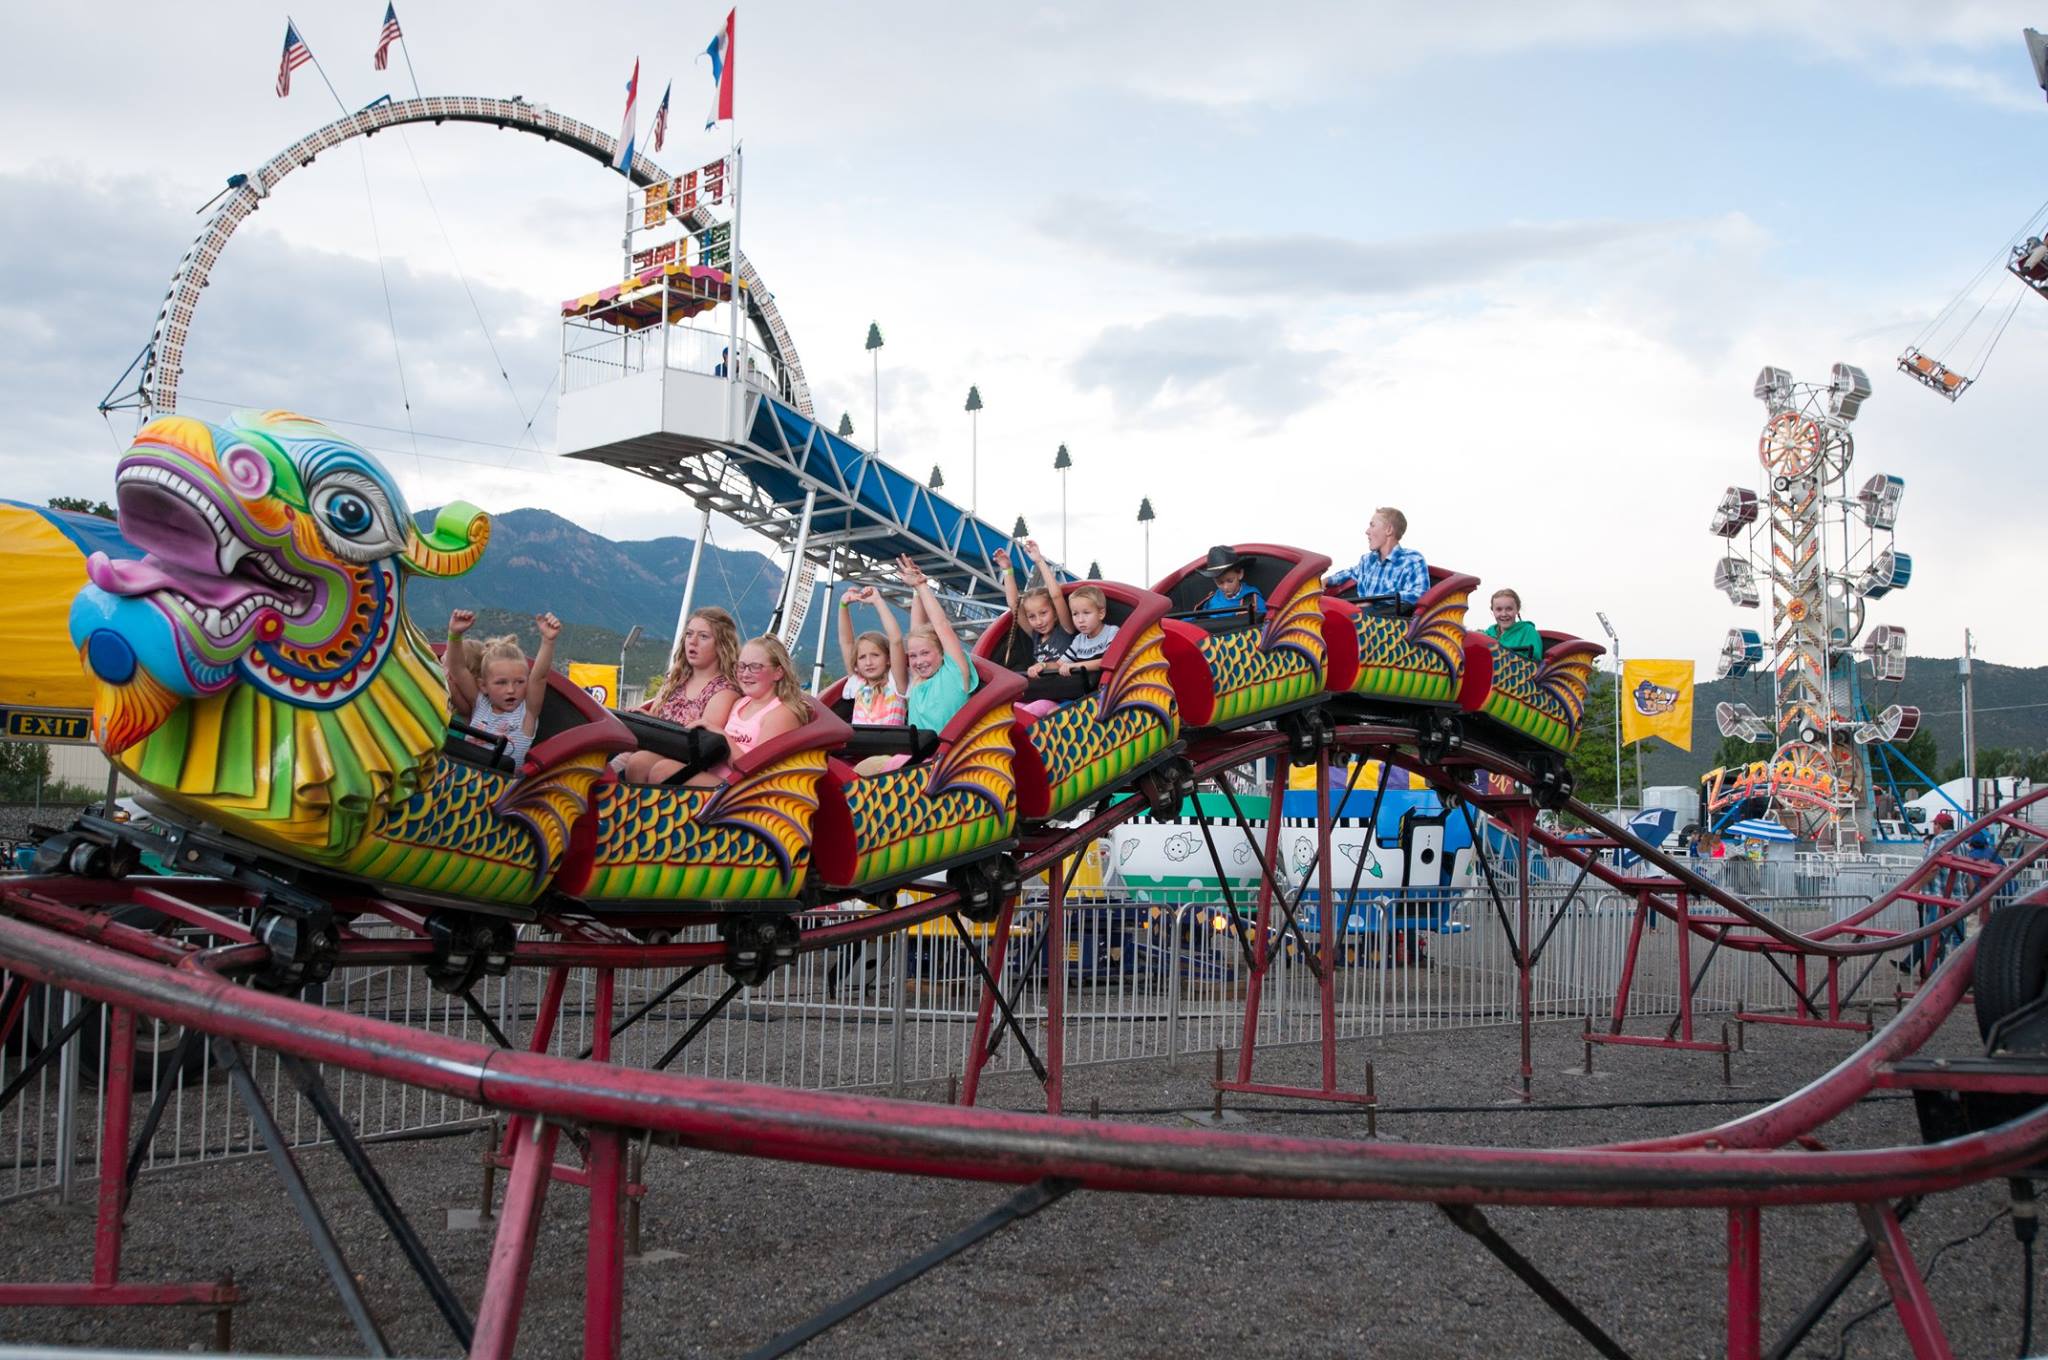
[738, 362]
[405, 50]
[293, 24]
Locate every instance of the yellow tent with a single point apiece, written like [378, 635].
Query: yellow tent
[44, 693]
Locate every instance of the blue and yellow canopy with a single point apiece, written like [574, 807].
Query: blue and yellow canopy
[42, 566]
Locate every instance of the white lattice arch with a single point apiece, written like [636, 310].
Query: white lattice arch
[163, 361]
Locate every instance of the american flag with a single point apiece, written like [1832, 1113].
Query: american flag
[296, 54]
[389, 36]
[661, 116]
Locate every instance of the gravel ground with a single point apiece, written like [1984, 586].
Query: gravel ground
[740, 1249]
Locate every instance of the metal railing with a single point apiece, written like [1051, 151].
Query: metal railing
[593, 354]
[49, 1135]
[1153, 979]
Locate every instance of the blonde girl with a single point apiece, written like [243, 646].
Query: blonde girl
[877, 667]
[494, 686]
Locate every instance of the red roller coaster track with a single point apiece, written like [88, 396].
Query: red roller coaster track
[59, 932]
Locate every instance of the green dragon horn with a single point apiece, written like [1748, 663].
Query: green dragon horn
[455, 543]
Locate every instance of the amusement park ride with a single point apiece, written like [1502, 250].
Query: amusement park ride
[257, 674]
[1823, 554]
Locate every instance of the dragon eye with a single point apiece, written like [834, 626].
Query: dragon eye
[355, 517]
[348, 514]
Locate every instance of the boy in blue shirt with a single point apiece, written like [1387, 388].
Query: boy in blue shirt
[1232, 594]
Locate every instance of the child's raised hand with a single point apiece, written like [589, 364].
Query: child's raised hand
[460, 621]
[913, 575]
[1031, 548]
[1002, 559]
[550, 626]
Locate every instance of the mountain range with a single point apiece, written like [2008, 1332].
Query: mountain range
[600, 588]
[2011, 704]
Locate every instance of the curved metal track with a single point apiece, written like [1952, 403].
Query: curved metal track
[163, 361]
[49, 933]
[974, 1144]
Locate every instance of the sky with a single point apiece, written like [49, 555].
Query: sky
[1511, 268]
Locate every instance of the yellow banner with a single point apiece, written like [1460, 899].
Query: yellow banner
[600, 682]
[1656, 701]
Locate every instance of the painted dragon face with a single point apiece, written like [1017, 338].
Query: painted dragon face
[275, 553]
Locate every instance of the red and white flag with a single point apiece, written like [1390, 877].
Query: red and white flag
[388, 36]
[622, 155]
[296, 54]
[720, 52]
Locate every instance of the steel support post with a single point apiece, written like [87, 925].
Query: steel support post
[324, 1242]
[604, 1262]
[899, 1007]
[306, 1077]
[984, 1015]
[1326, 918]
[1522, 822]
[604, 1259]
[1909, 1293]
[1262, 912]
[1628, 966]
[1055, 984]
[1324, 966]
[1685, 981]
[116, 1108]
[543, 1034]
[526, 1188]
[1745, 1284]
[71, 1013]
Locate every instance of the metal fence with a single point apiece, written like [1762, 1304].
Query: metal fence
[1151, 979]
[49, 1135]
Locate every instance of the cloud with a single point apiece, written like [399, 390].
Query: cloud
[1321, 265]
[1243, 363]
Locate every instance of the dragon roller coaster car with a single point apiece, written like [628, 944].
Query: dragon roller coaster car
[257, 674]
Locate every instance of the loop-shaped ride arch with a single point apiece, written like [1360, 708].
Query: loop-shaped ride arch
[163, 360]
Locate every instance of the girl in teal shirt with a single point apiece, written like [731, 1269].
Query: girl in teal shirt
[1511, 632]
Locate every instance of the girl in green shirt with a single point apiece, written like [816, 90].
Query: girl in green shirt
[1511, 632]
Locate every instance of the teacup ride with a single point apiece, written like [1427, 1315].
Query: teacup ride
[1118, 726]
[1235, 668]
[949, 807]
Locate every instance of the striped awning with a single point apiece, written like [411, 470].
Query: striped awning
[1759, 829]
[637, 301]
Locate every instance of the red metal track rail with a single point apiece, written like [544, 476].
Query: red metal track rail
[880, 1134]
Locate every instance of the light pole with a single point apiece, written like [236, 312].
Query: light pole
[1145, 517]
[624, 647]
[1969, 723]
[974, 455]
[1060, 464]
[1615, 638]
[874, 348]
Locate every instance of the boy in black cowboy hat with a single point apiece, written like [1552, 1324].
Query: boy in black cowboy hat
[1232, 594]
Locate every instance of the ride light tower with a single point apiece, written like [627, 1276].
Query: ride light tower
[1823, 551]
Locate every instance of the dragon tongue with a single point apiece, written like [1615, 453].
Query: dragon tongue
[152, 574]
[126, 577]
